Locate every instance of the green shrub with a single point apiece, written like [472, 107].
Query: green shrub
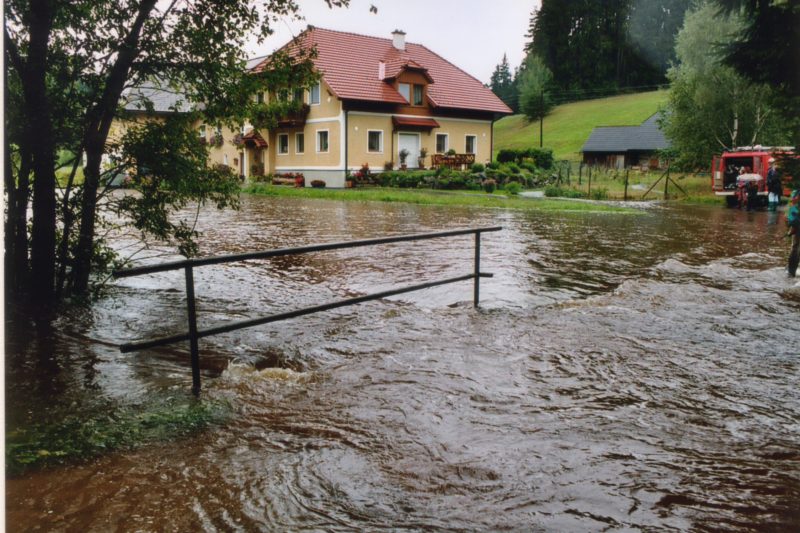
[542, 157]
[494, 165]
[600, 194]
[477, 167]
[512, 168]
[555, 191]
[489, 185]
[513, 188]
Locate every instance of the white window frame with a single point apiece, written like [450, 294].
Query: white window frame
[380, 142]
[318, 88]
[446, 143]
[328, 134]
[406, 96]
[202, 131]
[474, 143]
[302, 95]
[296, 144]
[225, 159]
[286, 135]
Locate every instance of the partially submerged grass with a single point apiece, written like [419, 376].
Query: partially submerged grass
[76, 438]
[431, 197]
[684, 187]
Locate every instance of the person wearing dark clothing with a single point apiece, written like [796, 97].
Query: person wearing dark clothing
[793, 221]
[774, 185]
[752, 195]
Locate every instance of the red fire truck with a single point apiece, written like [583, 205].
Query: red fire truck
[733, 169]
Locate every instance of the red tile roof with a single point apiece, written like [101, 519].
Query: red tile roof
[349, 64]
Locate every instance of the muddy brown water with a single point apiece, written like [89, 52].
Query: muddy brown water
[624, 372]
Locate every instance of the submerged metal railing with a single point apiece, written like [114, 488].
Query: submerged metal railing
[188, 265]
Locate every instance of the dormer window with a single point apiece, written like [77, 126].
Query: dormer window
[418, 92]
[405, 90]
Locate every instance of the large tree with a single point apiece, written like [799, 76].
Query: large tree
[592, 47]
[67, 66]
[534, 88]
[712, 107]
[502, 83]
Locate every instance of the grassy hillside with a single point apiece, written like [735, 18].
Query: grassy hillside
[568, 126]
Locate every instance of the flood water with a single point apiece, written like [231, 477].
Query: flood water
[624, 372]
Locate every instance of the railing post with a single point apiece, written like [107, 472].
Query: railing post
[477, 295]
[192, 316]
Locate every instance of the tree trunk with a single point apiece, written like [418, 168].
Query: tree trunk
[95, 140]
[42, 146]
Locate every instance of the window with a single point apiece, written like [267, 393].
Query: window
[283, 95]
[260, 98]
[283, 143]
[202, 132]
[298, 95]
[375, 141]
[471, 143]
[313, 95]
[441, 143]
[225, 159]
[299, 143]
[405, 90]
[417, 95]
[322, 141]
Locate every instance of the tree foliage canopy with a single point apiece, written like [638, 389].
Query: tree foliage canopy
[605, 45]
[712, 107]
[67, 65]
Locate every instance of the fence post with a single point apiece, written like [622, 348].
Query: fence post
[626, 184]
[477, 294]
[589, 194]
[192, 316]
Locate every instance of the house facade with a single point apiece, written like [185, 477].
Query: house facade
[376, 98]
[626, 146]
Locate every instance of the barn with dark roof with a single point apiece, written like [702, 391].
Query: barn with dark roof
[626, 146]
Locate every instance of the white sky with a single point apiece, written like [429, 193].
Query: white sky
[472, 34]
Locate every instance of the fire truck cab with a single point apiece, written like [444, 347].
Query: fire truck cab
[731, 171]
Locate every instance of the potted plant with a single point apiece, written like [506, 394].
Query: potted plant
[349, 180]
[299, 180]
[403, 156]
[423, 153]
[318, 184]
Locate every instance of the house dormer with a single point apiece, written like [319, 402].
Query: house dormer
[408, 78]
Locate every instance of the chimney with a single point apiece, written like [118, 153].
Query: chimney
[399, 39]
[381, 70]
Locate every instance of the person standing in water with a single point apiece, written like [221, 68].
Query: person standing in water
[774, 185]
[793, 221]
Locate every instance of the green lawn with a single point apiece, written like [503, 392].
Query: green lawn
[431, 197]
[568, 126]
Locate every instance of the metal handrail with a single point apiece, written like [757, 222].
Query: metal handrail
[188, 265]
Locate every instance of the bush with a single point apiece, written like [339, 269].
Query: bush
[542, 157]
[494, 165]
[489, 185]
[318, 184]
[555, 191]
[477, 168]
[600, 194]
[512, 168]
[513, 188]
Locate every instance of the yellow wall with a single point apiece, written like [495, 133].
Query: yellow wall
[360, 123]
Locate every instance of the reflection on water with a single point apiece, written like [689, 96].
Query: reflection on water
[624, 371]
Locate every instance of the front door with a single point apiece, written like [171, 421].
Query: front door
[410, 142]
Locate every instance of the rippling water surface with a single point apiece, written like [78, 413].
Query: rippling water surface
[623, 372]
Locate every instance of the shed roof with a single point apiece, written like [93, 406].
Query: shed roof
[645, 137]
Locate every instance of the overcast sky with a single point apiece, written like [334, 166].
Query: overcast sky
[473, 34]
